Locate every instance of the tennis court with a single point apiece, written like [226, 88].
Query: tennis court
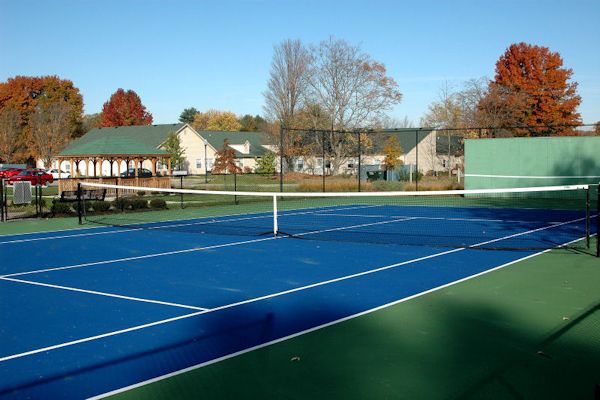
[146, 296]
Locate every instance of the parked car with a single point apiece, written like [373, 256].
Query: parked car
[142, 173]
[35, 176]
[58, 174]
[8, 172]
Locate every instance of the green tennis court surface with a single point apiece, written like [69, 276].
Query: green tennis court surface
[528, 331]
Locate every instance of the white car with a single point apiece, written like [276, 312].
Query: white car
[58, 174]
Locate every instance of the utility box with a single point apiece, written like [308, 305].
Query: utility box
[22, 193]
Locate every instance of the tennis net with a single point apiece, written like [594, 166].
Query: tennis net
[511, 219]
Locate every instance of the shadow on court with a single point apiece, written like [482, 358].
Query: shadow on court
[529, 331]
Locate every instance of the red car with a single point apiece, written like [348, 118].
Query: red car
[35, 176]
[8, 172]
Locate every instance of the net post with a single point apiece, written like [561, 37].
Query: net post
[587, 217]
[79, 204]
[275, 224]
[598, 220]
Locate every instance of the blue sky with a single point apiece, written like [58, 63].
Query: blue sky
[217, 54]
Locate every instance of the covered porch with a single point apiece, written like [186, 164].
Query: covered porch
[108, 168]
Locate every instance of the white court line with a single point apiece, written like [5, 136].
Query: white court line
[306, 331]
[118, 296]
[168, 253]
[204, 221]
[139, 327]
[437, 218]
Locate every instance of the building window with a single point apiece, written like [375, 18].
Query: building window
[444, 164]
[209, 163]
[159, 165]
[198, 163]
[68, 168]
[300, 165]
[350, 164]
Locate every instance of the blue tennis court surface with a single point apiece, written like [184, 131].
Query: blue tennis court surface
[90, 311]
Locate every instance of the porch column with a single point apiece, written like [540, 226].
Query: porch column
[72, 169]
[169, 170]
[137, 163]
[153, 161]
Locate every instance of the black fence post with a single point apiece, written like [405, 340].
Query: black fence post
[235, 199]
[2, 200]
[5, 201]
[359, 159]
[417, 160]
[38, 200]
[79, 204]
[281, 133]
[181, 187]
[323, 155]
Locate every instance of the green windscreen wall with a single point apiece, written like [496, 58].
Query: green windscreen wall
[568, 160]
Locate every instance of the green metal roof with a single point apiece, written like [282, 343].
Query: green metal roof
[256, 140]
[124, 140]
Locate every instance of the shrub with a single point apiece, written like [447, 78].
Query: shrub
[61, 208]
[100, 205]
[137, 204]
[141, 193]
[86, 204]
[122, 203]
[158, 204]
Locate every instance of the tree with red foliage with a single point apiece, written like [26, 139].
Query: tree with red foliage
[534, 89]
[225, 160]
[124, 108]
[25, 94]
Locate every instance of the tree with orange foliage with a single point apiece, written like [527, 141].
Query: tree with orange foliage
[124, 108]
[225, 160]
[532, 86]
[24, 94]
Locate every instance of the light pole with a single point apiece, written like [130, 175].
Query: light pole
[205, 165]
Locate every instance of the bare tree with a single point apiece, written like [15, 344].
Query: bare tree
[286, 91]
[446, 112]
[50, 131]
[388, 122]
[352, 89]
[9, 133]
